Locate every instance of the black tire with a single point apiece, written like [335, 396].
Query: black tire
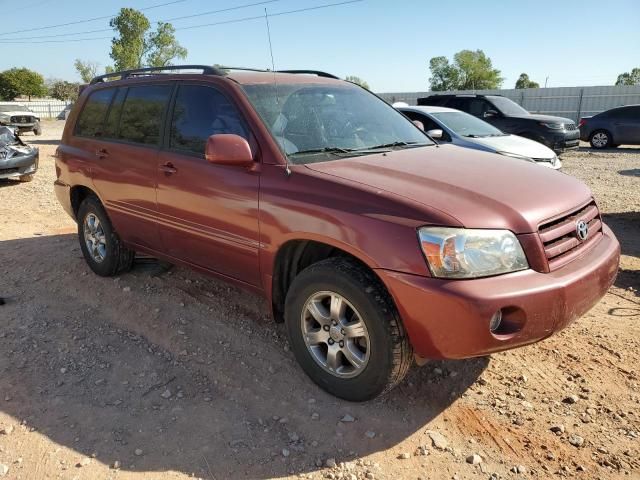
[600, 139]
[26, 178]
[118, 258]
[37, 130]
[391, 354]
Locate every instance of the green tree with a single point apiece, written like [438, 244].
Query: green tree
[128, 46]
[63, 90]
[163, 47]
[524, 82]
[357, 81]
[86, 69]
[629, 78]
[21, 82]
[470, 70]
[134, 46]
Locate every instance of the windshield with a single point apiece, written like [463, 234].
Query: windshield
[13, 108]
[319, 122]
[467, 125]
[508, 106]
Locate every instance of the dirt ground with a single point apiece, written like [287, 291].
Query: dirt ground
[168, 374]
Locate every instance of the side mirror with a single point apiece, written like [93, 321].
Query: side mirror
[435, 133]
[490, 113]
[418, 124]
[228, 149]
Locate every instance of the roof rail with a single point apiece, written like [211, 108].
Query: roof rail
[311, 72]
[206, 70]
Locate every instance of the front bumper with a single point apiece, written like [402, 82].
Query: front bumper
[21, 126]
[450, 318]
[19, 165]
[563, 140]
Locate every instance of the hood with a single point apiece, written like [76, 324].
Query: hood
[17, 113]
[543, 118]
[479, 189]
[516, 145]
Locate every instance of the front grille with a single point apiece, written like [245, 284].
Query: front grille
[560, 236]
[22, 119]
[570, 126]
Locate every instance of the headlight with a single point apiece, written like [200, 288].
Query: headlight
[553, 126]
[465, 253]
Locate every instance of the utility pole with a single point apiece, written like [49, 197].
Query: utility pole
[545, 81]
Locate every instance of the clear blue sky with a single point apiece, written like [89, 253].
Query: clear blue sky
[389, 44]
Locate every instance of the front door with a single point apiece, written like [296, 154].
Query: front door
[207, 214]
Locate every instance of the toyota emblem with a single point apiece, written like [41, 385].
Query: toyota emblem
[582, 230]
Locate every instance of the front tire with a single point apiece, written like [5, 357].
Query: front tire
[37, 130]
[600, 139]
[345, 331]
[101, 246]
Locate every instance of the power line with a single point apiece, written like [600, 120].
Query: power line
[190, 27]
[86, 32]
[76, 22]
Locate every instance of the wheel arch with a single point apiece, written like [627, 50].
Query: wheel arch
[296, 254]
[77, 194]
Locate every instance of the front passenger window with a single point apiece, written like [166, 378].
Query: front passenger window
[200, 112]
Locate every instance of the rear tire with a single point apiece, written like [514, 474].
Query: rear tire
[600, 139]
[377, 353]
[101, 246]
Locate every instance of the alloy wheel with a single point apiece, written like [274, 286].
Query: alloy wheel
[335, 334]
[94, 238]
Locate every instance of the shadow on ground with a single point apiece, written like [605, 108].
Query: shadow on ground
[626, 226]
[632, 172]
[85, 361]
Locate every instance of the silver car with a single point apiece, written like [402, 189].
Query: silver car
[459, 128]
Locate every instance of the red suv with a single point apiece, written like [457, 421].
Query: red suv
[373, 243]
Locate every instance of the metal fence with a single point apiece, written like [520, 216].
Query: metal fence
[44, 108]
[570, 102]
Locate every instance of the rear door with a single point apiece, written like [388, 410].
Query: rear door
[208, 213]
[626, 125]
[125, 173]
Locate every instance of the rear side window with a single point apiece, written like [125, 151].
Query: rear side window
[92, 116]
[113, 117]
[627, 113]
[199, 112]
[142, 114]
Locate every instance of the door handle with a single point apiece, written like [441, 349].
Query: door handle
[102, 153]
[168, 168]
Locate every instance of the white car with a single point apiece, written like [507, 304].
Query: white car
[20, 118]
[448, 125]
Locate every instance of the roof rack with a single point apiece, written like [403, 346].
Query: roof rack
[310, 72]
[206, 70]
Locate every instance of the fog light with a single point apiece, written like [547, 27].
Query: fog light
[495, 322]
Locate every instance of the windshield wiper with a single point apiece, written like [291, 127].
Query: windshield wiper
[391, 145]
[322, 150]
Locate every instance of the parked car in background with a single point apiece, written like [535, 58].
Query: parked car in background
[18, 160]
[371, 243]
[459, 128]
[20, 118]
[557, 133]
[609, 129]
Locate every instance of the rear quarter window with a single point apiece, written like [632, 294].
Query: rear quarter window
[91, 119]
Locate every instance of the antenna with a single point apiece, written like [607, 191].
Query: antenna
[275, 85]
